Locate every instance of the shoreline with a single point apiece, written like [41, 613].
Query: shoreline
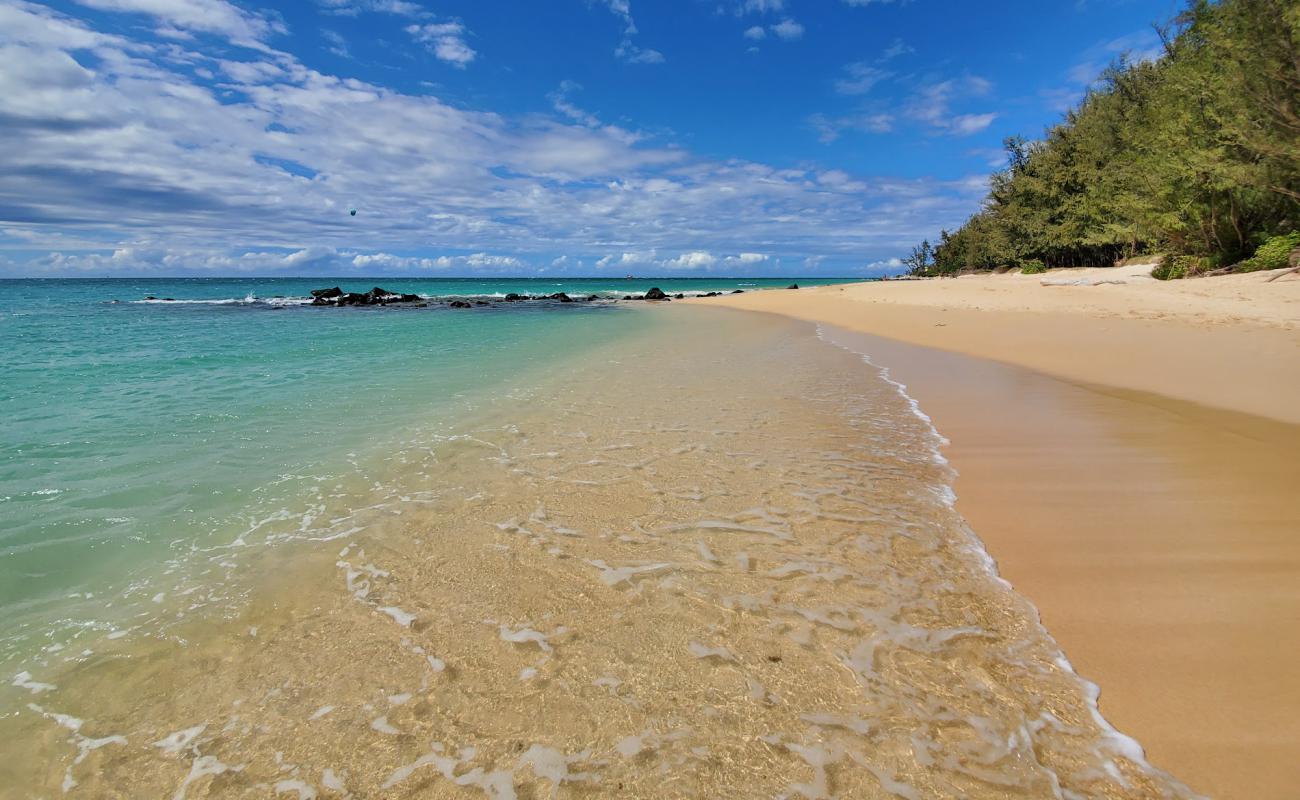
[1154, 533]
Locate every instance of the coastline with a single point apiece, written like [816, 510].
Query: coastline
[1148, 513]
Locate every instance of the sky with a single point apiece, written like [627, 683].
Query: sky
[522, 137]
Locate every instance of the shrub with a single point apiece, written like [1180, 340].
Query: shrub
[1272, 254]
[1175, 267]
[1032, 267]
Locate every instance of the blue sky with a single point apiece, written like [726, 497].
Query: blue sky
[521, 137]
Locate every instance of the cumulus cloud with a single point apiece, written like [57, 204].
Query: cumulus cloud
[755, 32]
[182, 156]
[788, 29]
[696, 259]
[446, 40]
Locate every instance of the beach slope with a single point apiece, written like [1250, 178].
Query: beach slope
[1126, 448]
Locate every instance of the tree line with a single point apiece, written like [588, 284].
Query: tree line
[1195, 155]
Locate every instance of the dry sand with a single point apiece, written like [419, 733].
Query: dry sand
[1133, 464]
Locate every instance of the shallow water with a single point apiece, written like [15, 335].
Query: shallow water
[715, 555]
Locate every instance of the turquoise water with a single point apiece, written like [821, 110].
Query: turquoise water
[137, 431]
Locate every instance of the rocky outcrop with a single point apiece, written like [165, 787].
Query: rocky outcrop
[656, 294]
[793, 286]
[377, 296]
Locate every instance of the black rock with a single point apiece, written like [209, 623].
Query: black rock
[592, 297]
[327, 293]
[354, 299]
[561, 296]
[737, 291]
[627, 297]
[321, 301]
[410, 298]
[170, 299]
[655, 294]
[511, 297]
[459, 304]
[793, 286]
[150, 297]
[680, 296]
[482, 303]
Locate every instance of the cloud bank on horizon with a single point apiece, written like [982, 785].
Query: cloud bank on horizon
[754, 137]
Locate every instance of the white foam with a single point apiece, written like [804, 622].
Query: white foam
[524, 635]
[23, 680]
[173, 743]
[703, 651]
[403, 618]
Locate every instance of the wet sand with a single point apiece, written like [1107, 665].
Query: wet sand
[733, 571]
[1159, 538]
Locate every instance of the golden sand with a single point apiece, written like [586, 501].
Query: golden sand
[1159, 538]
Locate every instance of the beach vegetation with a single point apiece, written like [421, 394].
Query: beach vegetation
[1275, 253]
[1194, 154]
[1033, 266]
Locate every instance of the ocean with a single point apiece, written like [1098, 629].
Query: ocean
[250, 547]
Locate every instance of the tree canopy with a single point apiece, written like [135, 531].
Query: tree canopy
[1195, 154]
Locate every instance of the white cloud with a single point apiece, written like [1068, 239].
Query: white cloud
[788, 29]
[966, 124]
[176, 173]
[696, 259]
[831, 128]
[628, 50]
[352, 8]
[207, 16]
[755, 32]
[896, 48]
[932, 105]
[860, 79]
[337, 44]
[446, 40]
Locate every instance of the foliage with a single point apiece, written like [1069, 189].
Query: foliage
[1272, 254]
[1194, 154]
[1175, 267]
[1033, 266]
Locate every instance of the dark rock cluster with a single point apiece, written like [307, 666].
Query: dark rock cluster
[377, 296]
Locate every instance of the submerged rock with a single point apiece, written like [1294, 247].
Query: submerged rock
[459, 304]
[737, 291]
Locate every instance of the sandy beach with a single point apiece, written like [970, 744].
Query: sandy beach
[1126, 449]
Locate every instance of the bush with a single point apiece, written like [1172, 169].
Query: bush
[1032, 267]
[1173, 268]
[1272, 254]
